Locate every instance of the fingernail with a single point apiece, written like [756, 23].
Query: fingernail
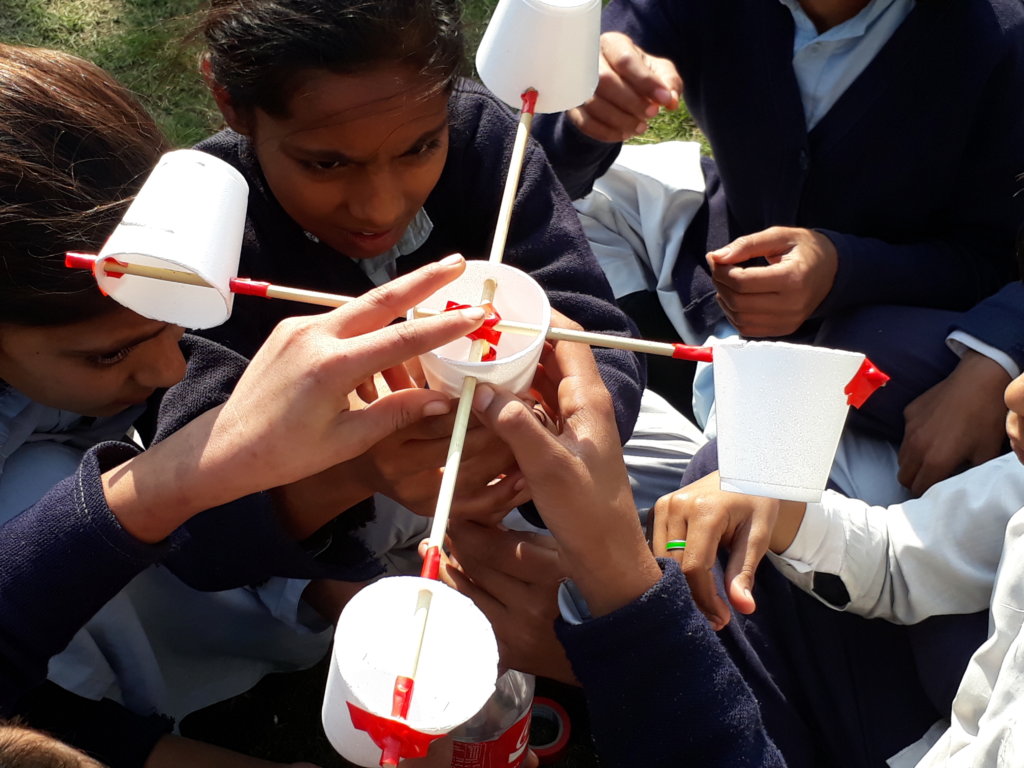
[449, 261]
[474, 313]
[436, 408]
[483, 397]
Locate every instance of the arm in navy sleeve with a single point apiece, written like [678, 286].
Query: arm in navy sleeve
[661, 690]
[999, 321]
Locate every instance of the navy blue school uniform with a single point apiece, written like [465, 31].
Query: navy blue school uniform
[912, 173]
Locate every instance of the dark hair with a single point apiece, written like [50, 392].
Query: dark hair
[75, 145]
[257, 48]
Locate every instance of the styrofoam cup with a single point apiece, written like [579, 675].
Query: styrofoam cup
[780, 412]
[518, 298]
[374, 643]
[189, 216]
[552, 46]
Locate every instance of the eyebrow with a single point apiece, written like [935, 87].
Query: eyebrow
[330, 155]
[117, 346]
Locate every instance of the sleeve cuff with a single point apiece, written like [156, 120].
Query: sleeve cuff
[960, 342]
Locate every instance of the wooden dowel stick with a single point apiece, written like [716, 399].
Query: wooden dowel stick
[515, 167]
[271, 291]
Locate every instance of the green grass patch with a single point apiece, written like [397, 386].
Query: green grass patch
[141, 43]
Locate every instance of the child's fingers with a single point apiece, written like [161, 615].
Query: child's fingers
[384, 303]
[358, 357]
[359, 430]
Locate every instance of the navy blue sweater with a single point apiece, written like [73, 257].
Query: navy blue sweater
[661, 690]
[545, 239]
[912, 173]
[67, 555]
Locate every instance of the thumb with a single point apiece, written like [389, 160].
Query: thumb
[388, 414]
[745, 554]
[770, 242]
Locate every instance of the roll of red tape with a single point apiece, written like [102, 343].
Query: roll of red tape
[550, 730]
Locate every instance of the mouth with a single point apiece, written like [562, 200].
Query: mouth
[373, 241]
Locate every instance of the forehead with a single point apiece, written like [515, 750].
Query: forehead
[117, 328]
[357, 114]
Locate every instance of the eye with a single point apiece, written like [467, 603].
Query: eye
[111, 358]
[425, 149]
[323, 166]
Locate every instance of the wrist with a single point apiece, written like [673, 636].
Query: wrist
[981, 370]
[155, 492]
[787, 525]
[611, 569]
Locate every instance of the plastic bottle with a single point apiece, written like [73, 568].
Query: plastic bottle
[497, 736]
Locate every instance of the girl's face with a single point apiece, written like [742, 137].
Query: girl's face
[97, 367]
[356, 157]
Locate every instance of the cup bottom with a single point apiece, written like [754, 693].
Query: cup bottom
[771, 490]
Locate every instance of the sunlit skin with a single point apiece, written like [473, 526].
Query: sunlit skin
[98, 367]
[356, 156]
[1014, 398]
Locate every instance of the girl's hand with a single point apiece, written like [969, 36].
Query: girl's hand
[577, 478]
[776, 299]
[633, 86]
[513, 577]
[289, 416]
[706, 517]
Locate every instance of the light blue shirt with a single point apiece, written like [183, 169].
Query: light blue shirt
[825, 64]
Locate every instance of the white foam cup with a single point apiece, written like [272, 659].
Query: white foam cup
[374, 643]
[780, 412]
[189, 216]
[552, 46]
[518, 298]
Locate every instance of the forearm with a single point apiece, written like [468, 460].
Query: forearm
[952, 273]
[937, 554]
[997, 321]
[577, 159]
[153, 493]
[693, 704]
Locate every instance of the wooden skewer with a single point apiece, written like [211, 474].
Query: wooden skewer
[242, 285]
[446, 492]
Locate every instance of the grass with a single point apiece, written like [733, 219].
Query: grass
[141, 43]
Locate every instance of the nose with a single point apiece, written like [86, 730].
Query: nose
[160, 362]
[377, 201]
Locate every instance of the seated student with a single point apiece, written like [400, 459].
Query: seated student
[881, 214]
[662, 688]
[216, 500]
[368, 156]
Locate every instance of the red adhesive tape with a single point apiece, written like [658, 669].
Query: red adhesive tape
[246, 287]
[549, 717]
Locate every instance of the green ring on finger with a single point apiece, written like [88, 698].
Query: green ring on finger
[675, 544]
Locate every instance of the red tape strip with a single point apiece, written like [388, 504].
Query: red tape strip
[486, 331]
[864, 383]
[396, 739]
[686, 352]
[246, 287]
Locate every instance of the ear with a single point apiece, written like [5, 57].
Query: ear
[232, 116]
